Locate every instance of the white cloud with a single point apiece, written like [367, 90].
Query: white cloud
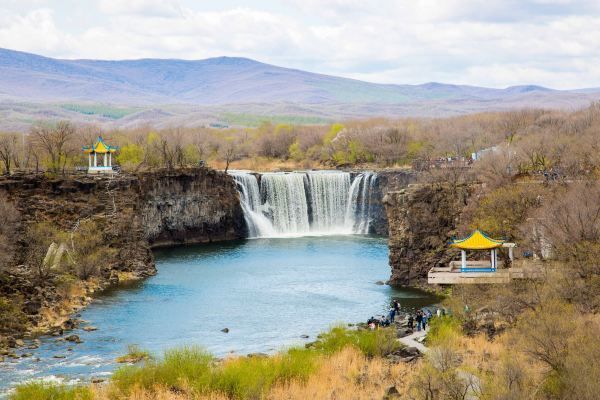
[34, 31]
[156, 8]
[494, 42]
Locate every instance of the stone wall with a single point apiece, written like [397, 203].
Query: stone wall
[422, 219]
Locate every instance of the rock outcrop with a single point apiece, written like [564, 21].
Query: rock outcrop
[133, 212]
[193, 207]
[422, 218]
[387, 181]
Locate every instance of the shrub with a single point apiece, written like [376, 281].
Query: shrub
[252, 377]
[134, 355]
[180, 369]
[443, 331]
[192, 370]
[12, 318]
[49, 391]
[371, 343]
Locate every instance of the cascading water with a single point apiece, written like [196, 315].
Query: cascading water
[358, 211]
[305, 203]
[328, 200]
[258, 224]
[285, 201]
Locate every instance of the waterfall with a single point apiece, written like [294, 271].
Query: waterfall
[258, 224]
[285, 201]
[358, 211]
[328, 199]
[305, 203]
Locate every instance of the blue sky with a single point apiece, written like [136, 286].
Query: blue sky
[495, 43]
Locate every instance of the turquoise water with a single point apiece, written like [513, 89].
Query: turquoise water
[267, 292]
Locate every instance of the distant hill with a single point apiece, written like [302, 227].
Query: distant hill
[222, 84]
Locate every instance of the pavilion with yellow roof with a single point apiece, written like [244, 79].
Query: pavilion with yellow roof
[99, 147]
[478, 241]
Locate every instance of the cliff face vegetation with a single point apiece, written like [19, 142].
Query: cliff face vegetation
[422, 218]
[64, 238]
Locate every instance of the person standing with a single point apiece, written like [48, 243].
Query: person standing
[396, 305]
[425, 318]
[392, 314]
[419, 320]
[411, 321]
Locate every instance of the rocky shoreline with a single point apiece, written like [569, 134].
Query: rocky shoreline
[132, 212]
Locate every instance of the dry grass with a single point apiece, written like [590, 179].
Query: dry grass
[347, 374]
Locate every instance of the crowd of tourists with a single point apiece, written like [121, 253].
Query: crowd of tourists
[418, 320]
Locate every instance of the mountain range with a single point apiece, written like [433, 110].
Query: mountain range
[171, 91]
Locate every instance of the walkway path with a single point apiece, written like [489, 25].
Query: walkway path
[473, 384]
[411, 341]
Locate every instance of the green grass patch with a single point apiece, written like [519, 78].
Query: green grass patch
[134, 355]
[50, 391]
[443, 330]
[255, 120]
[99, 109]
[192, 370]
[375, 343]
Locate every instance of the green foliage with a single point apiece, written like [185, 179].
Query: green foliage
[295, 151]
[179, 369]
[379, 342]
[99, 109]
[130, 155]
[192, 370]
[134, 354]
[48, 391]
[251, 378]
[333, 131]
[443, 331]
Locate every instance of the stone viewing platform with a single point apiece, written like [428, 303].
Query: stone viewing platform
[453, 275]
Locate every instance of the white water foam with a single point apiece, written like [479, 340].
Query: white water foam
[313, 203]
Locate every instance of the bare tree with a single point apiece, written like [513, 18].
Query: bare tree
[10, 220]
[55, 140]
[229, 152]
[8, 151]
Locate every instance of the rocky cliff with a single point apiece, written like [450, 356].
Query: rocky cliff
[131, 214]
[422, 218]
[192, 207]
[387, 181]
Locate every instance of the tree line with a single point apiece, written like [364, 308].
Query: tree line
[520, 142]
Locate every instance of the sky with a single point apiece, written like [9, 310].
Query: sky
[493, 43]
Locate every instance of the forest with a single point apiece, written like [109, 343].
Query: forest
[531, 140]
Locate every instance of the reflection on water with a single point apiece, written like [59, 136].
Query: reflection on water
[268, 292]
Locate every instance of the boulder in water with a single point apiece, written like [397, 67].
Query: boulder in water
[225, 330]
[90, 328]
[73, 338]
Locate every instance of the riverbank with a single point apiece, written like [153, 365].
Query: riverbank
[190, 372]
[277, 291]
[71, 237]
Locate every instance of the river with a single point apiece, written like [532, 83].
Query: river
[267, 292]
